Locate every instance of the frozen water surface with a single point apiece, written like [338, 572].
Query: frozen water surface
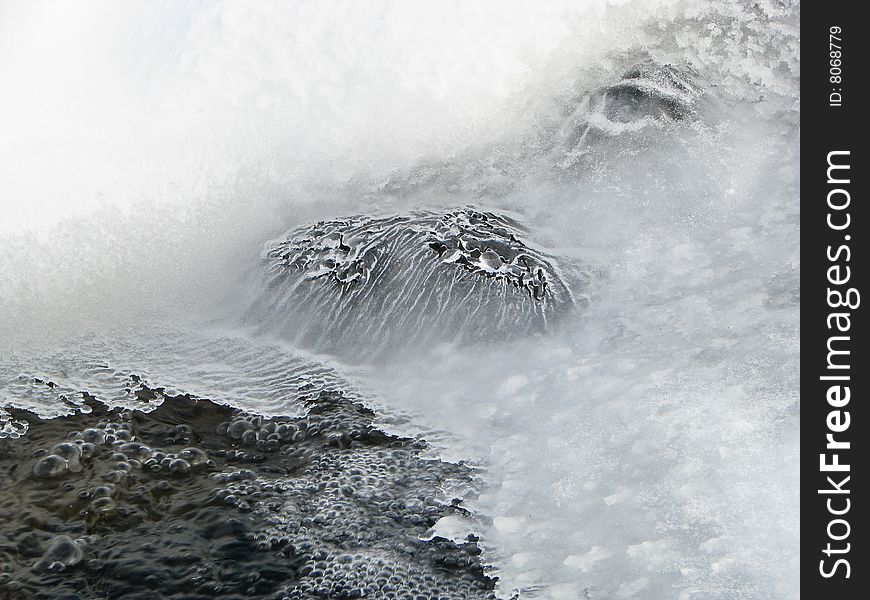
[275, 213]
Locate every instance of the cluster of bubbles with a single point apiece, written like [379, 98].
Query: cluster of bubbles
[356, 513]
[122, 456]
[367, 496]
[81, 446]
[374, 575]
[198, 500]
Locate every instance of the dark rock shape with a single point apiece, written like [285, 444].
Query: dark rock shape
[375, 285]
[196, 500]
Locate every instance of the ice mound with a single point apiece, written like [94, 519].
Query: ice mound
[648, 90]
[646, 94]
[382, 284]
[198, 500]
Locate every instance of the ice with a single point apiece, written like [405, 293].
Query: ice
[150, 151]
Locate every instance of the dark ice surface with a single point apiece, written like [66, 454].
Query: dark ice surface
[198, 500]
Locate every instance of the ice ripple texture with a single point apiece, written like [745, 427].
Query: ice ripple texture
[225, 367]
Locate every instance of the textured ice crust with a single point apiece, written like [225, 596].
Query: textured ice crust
[376, 285]
[197, 500]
